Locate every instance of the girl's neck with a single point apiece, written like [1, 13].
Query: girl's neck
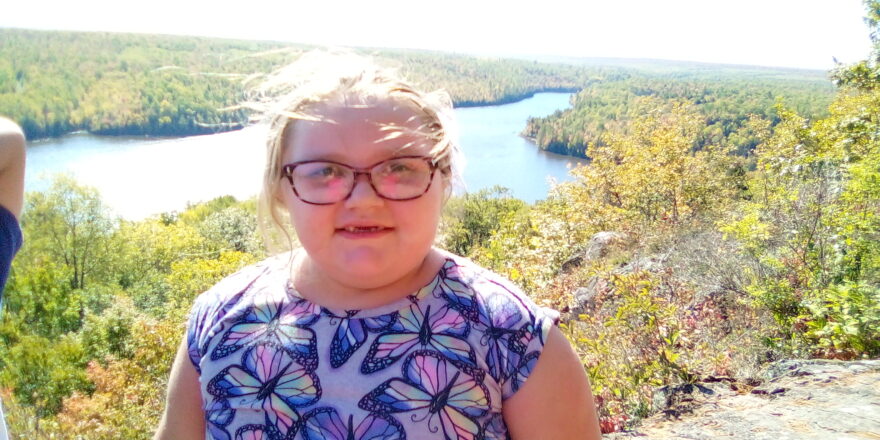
[319, 288]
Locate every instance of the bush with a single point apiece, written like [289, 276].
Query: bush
[630, 344]
[42, 372]
[844, 321]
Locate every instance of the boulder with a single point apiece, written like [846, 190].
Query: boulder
[599, 246]
[797, 400]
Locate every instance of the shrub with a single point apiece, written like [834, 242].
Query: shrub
[844, 321]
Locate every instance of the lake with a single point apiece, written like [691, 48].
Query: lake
[138, 177]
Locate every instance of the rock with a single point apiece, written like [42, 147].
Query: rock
[813, 367]
[571, 263]
[599, 246]
[672, 397]
[584, 298]
[648, 264]
[798, 400]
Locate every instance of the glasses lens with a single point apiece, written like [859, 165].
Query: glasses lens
[401, 178]
[322, 182]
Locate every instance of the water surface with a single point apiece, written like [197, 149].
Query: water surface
[138, 177]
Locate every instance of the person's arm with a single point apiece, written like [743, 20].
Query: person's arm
[555, 402]
[12, 156]
[184, 418]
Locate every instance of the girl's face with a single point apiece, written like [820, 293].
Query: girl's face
[364, 241]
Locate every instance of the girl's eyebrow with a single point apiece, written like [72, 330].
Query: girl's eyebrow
[332, 157]
[346, 160]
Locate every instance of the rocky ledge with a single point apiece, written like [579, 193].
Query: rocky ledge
[793, 400]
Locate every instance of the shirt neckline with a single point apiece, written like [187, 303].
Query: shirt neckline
[397, 305]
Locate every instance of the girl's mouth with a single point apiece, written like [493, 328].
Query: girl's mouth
[363, 231]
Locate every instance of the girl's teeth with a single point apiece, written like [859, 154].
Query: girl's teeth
[362, 229]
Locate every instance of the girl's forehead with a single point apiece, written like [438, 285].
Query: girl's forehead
[334, 131]
[376, 111]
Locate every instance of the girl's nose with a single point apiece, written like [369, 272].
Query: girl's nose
[363, 194]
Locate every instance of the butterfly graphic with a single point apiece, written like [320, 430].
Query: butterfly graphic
[351, 333]
[279, 321]
[435, 389]
[502, 337]
[217, 310]
[218, 415]
[495, 428]
[459, 295]
[253, 432]
[325, 424]
[504, 320]
[268, 380]
[445, 331]
[524, 369]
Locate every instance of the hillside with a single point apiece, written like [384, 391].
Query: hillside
[55, 83]
[675, 264]
[727, 98]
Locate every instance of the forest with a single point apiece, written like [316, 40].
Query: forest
[55, 83]
[728, 103]
[680, 253]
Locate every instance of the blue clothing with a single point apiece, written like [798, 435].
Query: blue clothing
[10, 242]
[436, 364]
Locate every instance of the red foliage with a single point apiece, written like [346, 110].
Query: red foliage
[611, 424]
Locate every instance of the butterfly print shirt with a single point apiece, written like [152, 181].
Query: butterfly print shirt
[437, 364]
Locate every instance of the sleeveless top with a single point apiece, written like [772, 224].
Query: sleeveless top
[10, 242]
[436, 364]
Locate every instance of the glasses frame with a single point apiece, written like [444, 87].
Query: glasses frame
[287, 171]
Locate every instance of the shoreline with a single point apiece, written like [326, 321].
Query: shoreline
[230, 127]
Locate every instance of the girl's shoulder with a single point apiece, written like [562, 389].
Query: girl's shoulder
[488, 296]
[228, 298]
[233, 288]
[508, 329]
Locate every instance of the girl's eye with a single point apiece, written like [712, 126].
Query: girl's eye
[324, 171]
[398, 168]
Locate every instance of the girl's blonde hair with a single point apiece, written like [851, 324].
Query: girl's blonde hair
[342, 79]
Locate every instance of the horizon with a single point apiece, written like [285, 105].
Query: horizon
[804, 35]
[564, 59]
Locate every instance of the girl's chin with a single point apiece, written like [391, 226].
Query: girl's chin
[367, 266]
[360, 258]
[370, 270]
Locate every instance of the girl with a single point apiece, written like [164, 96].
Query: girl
[368, 331]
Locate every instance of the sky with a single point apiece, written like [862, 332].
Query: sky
[786, 33]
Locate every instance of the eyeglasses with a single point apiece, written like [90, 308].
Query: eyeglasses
[324, 182]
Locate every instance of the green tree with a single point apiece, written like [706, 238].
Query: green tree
[41, 372]
[655, 176]
[812, 220]
[71, 225]
[469, 220]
